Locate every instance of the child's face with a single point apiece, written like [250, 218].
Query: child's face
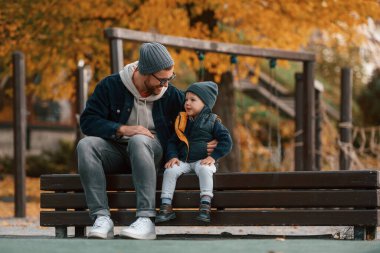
[193, 104]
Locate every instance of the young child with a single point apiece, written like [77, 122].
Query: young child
[187, 149]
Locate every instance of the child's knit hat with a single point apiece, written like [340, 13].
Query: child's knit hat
[206, 91]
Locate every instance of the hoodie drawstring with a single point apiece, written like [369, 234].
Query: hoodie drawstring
[146, 112]
[137, 112]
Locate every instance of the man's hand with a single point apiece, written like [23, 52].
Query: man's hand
[125, 130]
[208, 161]
[171, 163]
[211, 146]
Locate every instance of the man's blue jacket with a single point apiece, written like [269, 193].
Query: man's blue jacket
[111, 104]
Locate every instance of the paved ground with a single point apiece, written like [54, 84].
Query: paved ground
[41, 245]
[23, 235]
[30, 227]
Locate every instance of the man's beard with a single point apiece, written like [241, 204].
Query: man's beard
[151, 89]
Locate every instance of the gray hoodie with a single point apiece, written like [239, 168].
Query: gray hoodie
[141, 114]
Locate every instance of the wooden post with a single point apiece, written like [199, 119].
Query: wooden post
[298, 146]
[19, 118]
[82, 89]
[116, 53]
[309, 116]
[205, 45]
[318, 128]
[345, 117]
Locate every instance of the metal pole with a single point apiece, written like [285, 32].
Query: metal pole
[309, 116]
[345, 117]
[19, 118]
[298, 147]
[116, 53]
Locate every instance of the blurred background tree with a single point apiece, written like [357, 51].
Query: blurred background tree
[369, 101]
[55, 34]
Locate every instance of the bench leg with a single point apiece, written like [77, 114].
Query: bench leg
[364, 233]
[80, 231]
[61, 232]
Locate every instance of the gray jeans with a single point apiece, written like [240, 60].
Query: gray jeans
[98, 157]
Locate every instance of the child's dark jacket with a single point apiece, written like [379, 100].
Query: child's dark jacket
[203, 129]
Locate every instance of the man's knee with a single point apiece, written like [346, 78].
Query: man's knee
[139, 140]
[86, 144]
[86, 149]
[139, 145]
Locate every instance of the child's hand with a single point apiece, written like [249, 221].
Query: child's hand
[171, 163]
[208, 161]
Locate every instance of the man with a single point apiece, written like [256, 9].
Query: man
[128, 120]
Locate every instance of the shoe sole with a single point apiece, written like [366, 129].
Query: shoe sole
[95, 235]
[171, 217]
[139, 237]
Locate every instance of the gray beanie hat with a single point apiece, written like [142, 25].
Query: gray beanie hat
[154, 57]
[206, 91]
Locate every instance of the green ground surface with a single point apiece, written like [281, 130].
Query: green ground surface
[41, 245]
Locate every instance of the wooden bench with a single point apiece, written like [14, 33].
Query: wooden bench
[338, 198]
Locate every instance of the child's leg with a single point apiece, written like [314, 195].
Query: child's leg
[168, 185]
[206, 185]
[170, 179]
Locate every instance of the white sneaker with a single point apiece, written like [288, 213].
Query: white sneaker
[143, 228]
[102, 228]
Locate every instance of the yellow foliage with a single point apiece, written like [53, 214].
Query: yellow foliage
[54, 35]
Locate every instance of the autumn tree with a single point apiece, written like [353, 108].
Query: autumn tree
[55, 34]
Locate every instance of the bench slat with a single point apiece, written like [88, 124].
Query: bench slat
[232, 199]
[230, 181]
[230, 218]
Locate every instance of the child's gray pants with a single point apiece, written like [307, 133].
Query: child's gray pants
[204, 173]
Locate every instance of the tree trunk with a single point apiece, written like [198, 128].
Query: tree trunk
[226, 109]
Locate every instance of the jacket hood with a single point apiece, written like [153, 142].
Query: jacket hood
[126, 77]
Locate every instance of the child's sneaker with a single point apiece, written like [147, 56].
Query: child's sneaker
[166, 213]
[204, 212]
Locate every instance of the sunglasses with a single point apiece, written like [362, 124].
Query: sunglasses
[164, 80]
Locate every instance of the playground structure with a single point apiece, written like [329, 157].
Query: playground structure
[308, 106]
[305, 121]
